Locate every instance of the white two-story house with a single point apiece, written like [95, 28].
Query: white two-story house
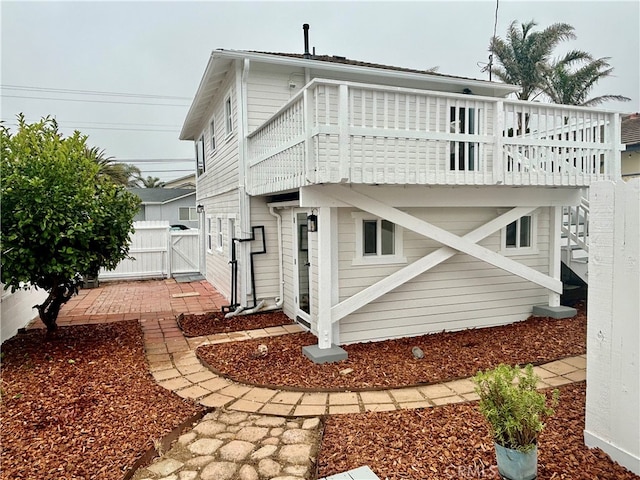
[371, 202]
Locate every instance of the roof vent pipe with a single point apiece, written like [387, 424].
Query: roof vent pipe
[305, 27]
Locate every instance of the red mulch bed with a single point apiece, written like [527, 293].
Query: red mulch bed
[81, 404]
[214, 322]
[453, 442]
[388, 364]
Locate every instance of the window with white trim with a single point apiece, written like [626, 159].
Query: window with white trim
[209, 234]
[378, 241]
[188, 214]
[232, 232]
[200, 159]
[220, 234]
[228, 115]
[212, 132]
[519, 237]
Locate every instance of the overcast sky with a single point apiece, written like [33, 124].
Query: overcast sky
[157, 52]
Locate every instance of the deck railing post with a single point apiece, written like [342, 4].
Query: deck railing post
[612, 157]
[307, 119]
[499, 153]
[343, 132]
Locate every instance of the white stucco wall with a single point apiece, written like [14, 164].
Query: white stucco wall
[613, 327]
[16, 310]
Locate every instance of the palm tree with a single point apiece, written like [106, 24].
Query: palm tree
[118, 173]
[150, 182]
[568, 86]
[524, 56]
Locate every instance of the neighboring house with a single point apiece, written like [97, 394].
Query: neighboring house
[438, 202]
[631, 139]
[188, 181]
[175, 205]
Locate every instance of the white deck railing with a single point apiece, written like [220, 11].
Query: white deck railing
[337, 132]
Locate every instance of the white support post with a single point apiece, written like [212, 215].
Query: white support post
[555, 246]
[326, 265]
[343, 132]
[498, 154]
[310, 166]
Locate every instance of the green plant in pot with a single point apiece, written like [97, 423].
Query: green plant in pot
[516, 412]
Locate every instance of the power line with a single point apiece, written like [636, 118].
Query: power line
[82, 122]
[129, 129]
[92, 92]
[97, 101]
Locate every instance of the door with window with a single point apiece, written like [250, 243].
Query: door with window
[302, 265]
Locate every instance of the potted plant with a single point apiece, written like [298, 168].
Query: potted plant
[516, 412]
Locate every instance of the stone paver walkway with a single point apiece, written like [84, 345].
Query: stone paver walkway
[254, 433]
[228, 445]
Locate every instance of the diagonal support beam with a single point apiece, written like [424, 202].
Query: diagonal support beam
[420, 266]
[368, 204]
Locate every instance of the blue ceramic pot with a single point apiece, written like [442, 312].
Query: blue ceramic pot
[516, 465]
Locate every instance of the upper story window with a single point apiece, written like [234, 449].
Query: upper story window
[228, 115]
[200, 159]
[463, 154]
[378, 241]
[188, 214]
[212, 132]
[519, 237]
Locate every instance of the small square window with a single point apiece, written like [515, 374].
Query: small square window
[378, 241]
[188, 214]
[519, 236]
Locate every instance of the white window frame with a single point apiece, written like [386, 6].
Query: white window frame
[219, 235]
[201, 158]
[209, 234]
[212, 134]
[231, 228]
[192, 215]
[228, 115]
[378, 259]
[532, 249]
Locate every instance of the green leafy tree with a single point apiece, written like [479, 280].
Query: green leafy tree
[60, 216]
[523, 57]
[570, 79]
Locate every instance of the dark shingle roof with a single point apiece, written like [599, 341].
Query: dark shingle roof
[161, 195]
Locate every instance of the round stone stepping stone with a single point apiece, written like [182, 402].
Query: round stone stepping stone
[218, 471]
[205, 446]
[187, 475]
[236, 451]
[252, 434]
[165, 467]
[296, 454]
[297, 435]
[231, 418]
[269, 468]
[264, 452]
[311, 423]
[247, 472]
[210, 428]
[270, 422]
[200, 461]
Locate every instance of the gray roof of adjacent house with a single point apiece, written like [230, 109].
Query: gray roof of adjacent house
[161, 195]
[631, 131]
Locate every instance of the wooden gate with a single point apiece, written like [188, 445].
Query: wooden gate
[157, 252]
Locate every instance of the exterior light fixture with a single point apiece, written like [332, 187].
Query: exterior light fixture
[200, 208]
[312, 222]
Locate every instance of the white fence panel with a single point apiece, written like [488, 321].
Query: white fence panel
[150, 250]
[185, 248]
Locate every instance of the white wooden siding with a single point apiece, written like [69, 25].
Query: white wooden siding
[463, 292]
[221, 173]
[218, 270]
[265, 266]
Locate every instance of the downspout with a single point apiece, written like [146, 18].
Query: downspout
[244, 201]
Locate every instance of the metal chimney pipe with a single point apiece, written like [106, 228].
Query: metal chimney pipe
[305, 27]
